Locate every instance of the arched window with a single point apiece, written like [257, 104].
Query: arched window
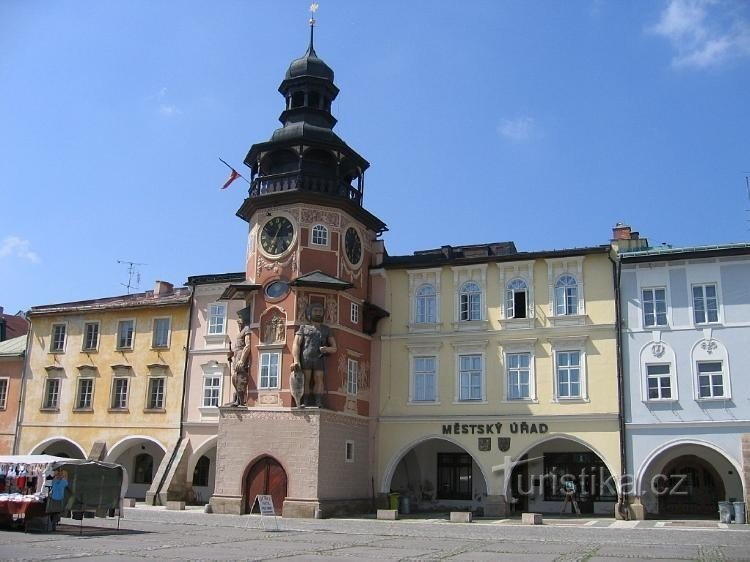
[566, 296]
[144, 469]
[320, 235]
[470, 301]
[516, 298]
[200, 474]
[425, 302]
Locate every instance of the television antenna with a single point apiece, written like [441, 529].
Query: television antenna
[134, 275]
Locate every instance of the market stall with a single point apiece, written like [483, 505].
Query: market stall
[36, 490]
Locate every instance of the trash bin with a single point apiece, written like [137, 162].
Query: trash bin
[404, 505]
[393, 500]
[739, 512]
[725, 512]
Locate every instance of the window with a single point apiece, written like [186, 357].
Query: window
[90, 336]
[711, 380]
[519, 375]
[470, 377]
[120, 393]
[454, 476]
[659, 382]
[354, 317]
[143, 469]
[269, 370]
[470, 302]
[515, 299]
[3, 393]
[51, 400]
[568, 365]
[57, 345]
[425, 378]
[320, 235]
[211, 390]
[201, 471]
[349, 451]
[217, 319]
[85, 394]
[352, 376]
[160, 336]
[155, 399]
[654, 307]
[566, 296]
[425, 305]
[705, 304]
[125, 329]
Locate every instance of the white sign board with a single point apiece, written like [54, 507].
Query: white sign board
[265, 503]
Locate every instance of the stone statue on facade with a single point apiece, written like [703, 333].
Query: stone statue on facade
[241, 368]
[312, 343]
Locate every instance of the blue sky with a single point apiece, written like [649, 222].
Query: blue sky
[541, 122]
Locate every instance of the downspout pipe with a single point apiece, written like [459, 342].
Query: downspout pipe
[22, 390]
[616, 273]
[182, 401]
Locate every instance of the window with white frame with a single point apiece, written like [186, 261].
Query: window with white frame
[705, 304]
[654, 307]
[85, 393]
[354, 313]
[518, 368]
[659, 381]
[155, 397]
[352, 376]
[4, 393]
[568, 374]
[57, 344]
[120, 393]
[320, 235]
[470, 302]
[711, 383]
[470, 377]
[269, 370]
[217, 319]
[425, 302]
[211, 390]
[566, 296]
[424, 378]
[160, 336]
[125, 333]
[516, 296]
[51, 399]
[90, 336]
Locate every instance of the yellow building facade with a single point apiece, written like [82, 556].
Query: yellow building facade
[104, 380]
[498, 380]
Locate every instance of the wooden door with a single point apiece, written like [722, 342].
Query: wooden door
[266, 476]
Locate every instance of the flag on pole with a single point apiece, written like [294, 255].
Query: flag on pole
[232, 176]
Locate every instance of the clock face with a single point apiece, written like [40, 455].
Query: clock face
[353, 246]
[276, 235]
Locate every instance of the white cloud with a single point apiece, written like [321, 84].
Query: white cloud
[13, 246]
[520, 129]
[164, 106]
[704, 33]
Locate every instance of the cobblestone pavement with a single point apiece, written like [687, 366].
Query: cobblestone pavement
[157, 534]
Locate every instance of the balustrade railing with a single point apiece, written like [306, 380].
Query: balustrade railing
[294, 181]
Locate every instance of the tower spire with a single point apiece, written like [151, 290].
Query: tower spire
[313, 9]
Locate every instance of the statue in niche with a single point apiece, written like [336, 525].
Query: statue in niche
[273, 330]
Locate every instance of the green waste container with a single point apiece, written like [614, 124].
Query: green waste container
[393, 500]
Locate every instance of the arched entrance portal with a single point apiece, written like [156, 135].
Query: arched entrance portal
[438, 475]
[265, 477]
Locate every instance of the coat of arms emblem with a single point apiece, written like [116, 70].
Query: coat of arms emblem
[503, 443]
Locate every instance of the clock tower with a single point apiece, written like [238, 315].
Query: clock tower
[310, 242]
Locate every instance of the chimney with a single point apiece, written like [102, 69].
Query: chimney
[624, 239]
[622, 232]
[3, 330]
[162, 289]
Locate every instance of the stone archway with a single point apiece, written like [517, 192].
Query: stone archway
[59, 447]
[140, 457]
[265, 476]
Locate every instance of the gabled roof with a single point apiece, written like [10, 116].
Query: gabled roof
[15, 325]
[321, 280]
[238, 288]
[14, 347]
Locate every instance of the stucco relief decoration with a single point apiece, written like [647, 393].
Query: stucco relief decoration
[319, 216]
[364, 376]
[709, 346]
[302, 302]
[341, 369]
[276, 266]
[658, 349]
[332, 310]
[353, 275]
[274, 329]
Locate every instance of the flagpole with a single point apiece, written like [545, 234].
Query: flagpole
[234, 171]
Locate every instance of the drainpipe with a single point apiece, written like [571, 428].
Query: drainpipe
[22, 391]
[616, 271]
[182, 401]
